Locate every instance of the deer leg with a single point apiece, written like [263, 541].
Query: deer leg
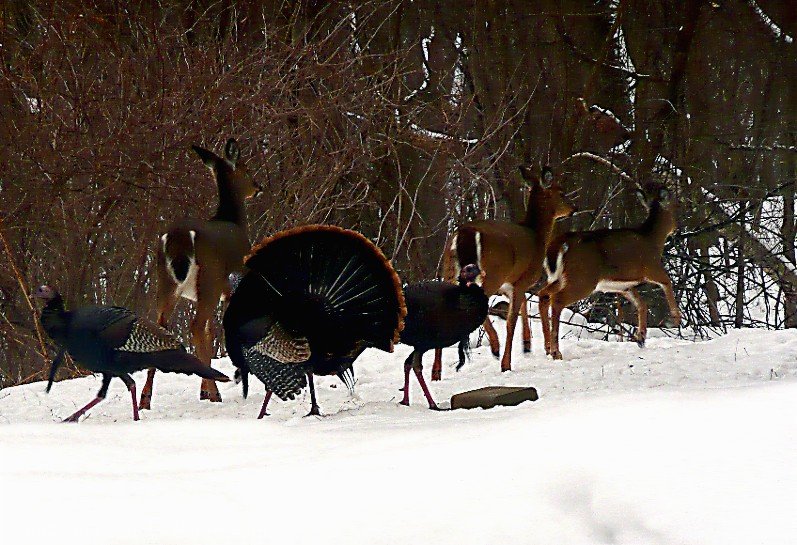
[556, 314]
[437, 366]
[545, 319]
[524, 315]
[492, 336]
[166, 303]
[511, 321]
[635, 299]
[203, 343]
[662, 279]
[146, 392]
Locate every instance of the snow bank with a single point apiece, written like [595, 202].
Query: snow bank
[677, 443]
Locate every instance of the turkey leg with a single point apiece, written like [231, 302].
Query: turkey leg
[106, 381]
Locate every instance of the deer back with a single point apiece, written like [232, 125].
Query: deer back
[586, 258]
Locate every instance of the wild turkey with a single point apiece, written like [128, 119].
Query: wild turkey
[440, 314]
[313, 299]
[114, 341]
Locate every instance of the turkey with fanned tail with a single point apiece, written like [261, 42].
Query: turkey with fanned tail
[312, 299]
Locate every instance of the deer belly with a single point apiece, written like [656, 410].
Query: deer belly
[616, 286]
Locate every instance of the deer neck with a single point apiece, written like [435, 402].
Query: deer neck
[539, 219]
[659, 224]
[231, 206]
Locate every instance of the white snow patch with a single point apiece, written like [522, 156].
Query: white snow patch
[676, 443]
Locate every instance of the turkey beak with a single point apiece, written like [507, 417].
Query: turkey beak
[53, 370]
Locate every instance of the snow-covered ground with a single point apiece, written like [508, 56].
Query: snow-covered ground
[680, 442]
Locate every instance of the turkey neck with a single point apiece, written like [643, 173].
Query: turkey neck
[53, 318]
[474, 292]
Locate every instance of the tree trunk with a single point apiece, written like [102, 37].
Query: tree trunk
[788, 233]
[739, 318]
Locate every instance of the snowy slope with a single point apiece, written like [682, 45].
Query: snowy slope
[680, 442]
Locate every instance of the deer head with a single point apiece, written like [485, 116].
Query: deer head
[660, 206]
[546, 196]
[230, 174]
[655, 194]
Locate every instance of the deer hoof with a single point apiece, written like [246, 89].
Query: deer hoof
[213, 397]
[556, 355]
[640, 342]
[437, 375]
[496, 353]
[144, 404]
[505, 368]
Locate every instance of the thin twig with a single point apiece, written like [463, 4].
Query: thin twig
[23, 287]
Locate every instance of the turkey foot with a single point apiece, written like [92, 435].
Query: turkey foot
[81, 412]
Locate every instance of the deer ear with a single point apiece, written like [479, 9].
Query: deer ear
[526, 173]
[208, 157]
[547, 176]
[231, 151]
[664, 194]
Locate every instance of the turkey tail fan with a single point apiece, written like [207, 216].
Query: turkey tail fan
[176, 361]
[329, 283]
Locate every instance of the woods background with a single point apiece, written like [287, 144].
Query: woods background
[398, 119]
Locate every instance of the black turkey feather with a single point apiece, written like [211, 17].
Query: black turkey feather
[441, 314]
[114, 341]
[312, 300]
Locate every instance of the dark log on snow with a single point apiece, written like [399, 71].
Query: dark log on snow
[490, 396]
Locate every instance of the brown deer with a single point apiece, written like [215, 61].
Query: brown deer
[580, 263]
[195, 258]
[510, 256]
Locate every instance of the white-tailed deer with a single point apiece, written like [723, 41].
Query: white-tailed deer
[510, 256]
[195, 258]
[580, 263]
